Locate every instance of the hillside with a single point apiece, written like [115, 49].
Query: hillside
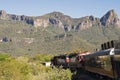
[22, 38]
[55, 33]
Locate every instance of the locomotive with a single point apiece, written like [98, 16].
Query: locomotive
[104, 63]
[66, 61]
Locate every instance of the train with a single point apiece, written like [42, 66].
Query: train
[104, 63]
[66, 61]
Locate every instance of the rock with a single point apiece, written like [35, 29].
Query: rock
[3, 14]
[86, 22]
[110, 18]
[53, 21]
[41, 22]
[65, 22]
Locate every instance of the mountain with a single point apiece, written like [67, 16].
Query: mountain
[5, 16]
[110, 18]
[65, 22]
[55, 32]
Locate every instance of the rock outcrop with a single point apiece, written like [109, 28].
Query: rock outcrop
[24, 18]
[3, 14]
[86, 22]
[110, 18]
[41, 22]
[65, 22]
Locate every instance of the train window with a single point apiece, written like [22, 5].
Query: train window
[73, 59]
[61, 60]
[108, 43]
[112, 44]
[102, 46]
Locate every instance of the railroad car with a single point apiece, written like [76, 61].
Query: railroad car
[104, 63]
[111, 44]
[66, 61]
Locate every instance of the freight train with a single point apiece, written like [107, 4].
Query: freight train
[104, 63]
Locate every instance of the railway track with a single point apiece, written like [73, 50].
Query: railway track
[81, 75]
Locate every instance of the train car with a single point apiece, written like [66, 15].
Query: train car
[74, 64]
[105, 63]
[111, 44]
[59, 60]
[116, 64]
[66, 61]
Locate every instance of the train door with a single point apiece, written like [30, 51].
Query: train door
[117, 69]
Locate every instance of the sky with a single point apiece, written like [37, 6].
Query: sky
[73, 8]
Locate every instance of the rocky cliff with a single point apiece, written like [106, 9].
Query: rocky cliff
[65, 22]
[5, 16]
[54, 19]
[110, 18]
[86, 22]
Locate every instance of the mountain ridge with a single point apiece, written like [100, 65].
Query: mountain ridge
[55, 33]
[64, 21]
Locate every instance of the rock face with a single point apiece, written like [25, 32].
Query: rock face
[55, 19]
[65, 22]
[24, 18]
[86, 22]
[110, 18]
[3, 14]
[41, 22]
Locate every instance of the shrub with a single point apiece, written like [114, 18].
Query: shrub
[43, 57]
[60, 74]
[3, 56]
[21, 68]
[14, 70]
[47, 73]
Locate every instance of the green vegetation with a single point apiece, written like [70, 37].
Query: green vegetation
[26, 68]
[4, 57]
[24, 39]
[43, 57]
[27, 40]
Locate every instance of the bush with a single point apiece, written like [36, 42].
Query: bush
[21, 68]
[3, 56]
[60, 74]
[43, 57]
[13, 70]
[47, 73]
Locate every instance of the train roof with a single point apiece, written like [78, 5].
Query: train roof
[72, 55]
[111, 51]
[98, 53]
[66, 55]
